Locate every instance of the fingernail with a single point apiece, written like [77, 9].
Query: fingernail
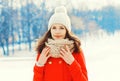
[62, 49]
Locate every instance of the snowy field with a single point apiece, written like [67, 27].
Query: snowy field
[102, 60]
[16, 69]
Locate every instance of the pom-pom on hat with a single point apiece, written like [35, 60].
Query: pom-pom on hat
[60, 16]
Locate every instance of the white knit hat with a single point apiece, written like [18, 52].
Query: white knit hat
[60, 16]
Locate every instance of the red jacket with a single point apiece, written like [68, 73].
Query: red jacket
[57, 70]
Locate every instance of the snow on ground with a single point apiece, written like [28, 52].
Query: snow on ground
[103, 57]
[101, 54]
[16, 69]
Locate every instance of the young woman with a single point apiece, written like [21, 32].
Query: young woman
[59, 57]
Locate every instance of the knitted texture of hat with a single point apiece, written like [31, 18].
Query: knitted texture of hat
[56, 45]
[60, 16]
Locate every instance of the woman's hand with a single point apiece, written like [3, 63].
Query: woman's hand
[66, 55]
[44, 56]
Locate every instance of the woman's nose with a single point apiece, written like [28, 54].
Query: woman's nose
[57, 30]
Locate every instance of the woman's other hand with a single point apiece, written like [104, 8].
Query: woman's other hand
[66, 55]
[44, 56]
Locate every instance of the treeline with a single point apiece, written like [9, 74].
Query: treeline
[26, 24]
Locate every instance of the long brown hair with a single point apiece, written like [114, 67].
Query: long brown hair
[69, 35]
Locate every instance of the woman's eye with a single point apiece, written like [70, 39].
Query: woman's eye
[62, 28]
[54, 27]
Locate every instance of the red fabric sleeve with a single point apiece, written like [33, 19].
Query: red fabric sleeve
[38, 72]
[78, 68]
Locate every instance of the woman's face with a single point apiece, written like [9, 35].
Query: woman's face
[58, 31]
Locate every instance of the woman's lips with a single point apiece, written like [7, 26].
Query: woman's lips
[57, 36]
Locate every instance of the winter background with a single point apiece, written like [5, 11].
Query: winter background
[97, 24]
